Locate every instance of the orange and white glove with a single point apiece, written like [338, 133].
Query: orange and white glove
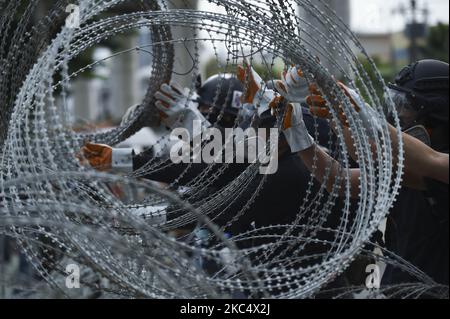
[176, 109]
[104, 158]
[174, 106]
[294, 129]
[368, 116]
[292, 85]
[256, 91]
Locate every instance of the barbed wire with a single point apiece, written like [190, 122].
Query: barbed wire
[61, 212]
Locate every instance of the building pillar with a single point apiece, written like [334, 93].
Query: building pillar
[124, 79]
[183, 60]
[342, 9]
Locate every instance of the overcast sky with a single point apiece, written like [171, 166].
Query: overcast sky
[376, 15]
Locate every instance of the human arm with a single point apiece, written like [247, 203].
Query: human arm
[421, 161]
[176, 110]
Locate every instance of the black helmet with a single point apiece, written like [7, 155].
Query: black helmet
[422, 88]
[221, 93]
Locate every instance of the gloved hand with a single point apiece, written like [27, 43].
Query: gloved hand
[103, 157]
[292, 85]
[289, 88]
[256, 91]
[171, 101]
[176, 109]
[367, 114]
[294, 129]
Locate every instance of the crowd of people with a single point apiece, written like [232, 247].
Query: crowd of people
[417, 226]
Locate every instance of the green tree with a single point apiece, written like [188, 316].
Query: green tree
[436, 46]
[212, 68]
[387, 72]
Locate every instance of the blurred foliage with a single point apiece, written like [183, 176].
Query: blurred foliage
[212, 68]
[115, 44]
[386, 69]
[85, 58]
[437, 46]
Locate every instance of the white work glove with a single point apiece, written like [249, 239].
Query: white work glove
[368, 116]
[292, 85]
[256, 91]
[291, 88]
[294, 129]
[176, 109]
[173, 103]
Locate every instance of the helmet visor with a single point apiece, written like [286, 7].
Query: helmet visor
[406, 112]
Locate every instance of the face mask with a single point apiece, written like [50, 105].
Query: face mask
[406, 113]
